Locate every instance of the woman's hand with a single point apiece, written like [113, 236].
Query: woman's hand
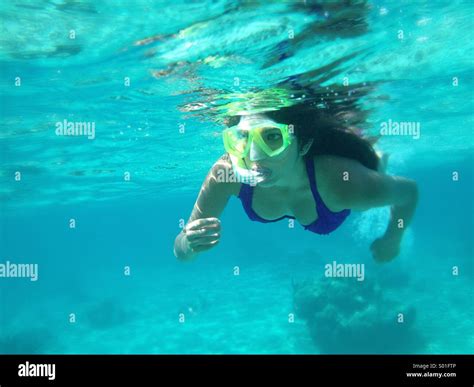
[384, 249]
[202, 234]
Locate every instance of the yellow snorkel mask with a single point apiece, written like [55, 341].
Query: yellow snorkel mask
[257, 139]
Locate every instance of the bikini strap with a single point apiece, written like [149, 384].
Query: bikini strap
[312, 181]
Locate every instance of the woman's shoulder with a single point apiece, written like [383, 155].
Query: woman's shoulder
[331, 165]
[332, 173]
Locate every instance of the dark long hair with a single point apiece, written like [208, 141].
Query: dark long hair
[330, 134]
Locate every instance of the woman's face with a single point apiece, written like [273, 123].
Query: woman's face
[277, 169]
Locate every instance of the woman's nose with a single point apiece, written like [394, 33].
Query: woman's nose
[256, 153]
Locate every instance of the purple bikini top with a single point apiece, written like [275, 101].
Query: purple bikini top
[327, 220]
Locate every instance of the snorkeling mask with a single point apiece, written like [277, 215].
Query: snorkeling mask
[265, 139]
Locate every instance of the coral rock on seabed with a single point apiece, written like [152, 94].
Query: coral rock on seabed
[350, 317]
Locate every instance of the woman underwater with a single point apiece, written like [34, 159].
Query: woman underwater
[296, 163]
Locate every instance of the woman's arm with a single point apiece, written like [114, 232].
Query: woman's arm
[364, 188]
[202, 230]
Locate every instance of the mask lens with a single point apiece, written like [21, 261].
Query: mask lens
[272, 137]
[236, 140]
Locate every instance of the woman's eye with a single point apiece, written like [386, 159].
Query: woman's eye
[273, 136]
[243, 134]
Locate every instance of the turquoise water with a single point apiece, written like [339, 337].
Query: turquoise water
[198, 57]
